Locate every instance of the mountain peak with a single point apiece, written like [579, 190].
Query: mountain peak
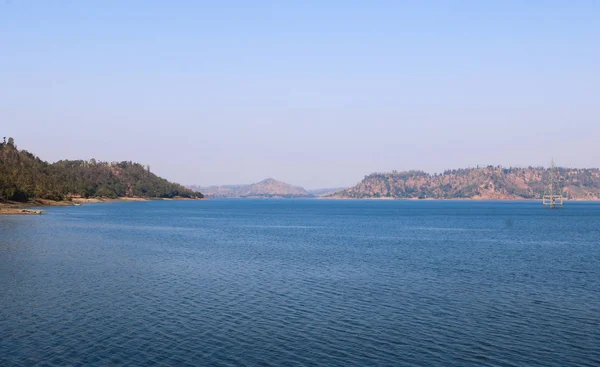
[270, 180]
[268, 187]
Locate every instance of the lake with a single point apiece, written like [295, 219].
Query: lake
[302, 283]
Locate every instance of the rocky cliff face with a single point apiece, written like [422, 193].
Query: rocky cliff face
[477, 183]
[266, 188]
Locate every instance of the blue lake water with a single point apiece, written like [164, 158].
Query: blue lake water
[301, 283]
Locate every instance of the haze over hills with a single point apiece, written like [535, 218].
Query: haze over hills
[265, 188]
[490, 182]
[23, 176]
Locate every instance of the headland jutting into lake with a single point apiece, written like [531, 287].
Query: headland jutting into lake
[27, 180]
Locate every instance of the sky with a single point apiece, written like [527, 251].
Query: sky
[314, 93]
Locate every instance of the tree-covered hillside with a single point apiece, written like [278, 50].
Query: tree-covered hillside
[23, 176]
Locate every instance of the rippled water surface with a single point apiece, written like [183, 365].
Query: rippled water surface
[301, 283]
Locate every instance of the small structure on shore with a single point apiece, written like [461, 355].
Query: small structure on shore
[552, 198]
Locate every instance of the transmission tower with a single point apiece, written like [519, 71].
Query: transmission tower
[553, 195]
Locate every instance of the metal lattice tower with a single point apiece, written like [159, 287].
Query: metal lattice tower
[553, 195]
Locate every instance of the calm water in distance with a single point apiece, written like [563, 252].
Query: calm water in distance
[302, 283]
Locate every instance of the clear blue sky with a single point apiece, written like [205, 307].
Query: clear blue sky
[315, 93]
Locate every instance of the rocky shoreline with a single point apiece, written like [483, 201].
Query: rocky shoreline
[18, 211]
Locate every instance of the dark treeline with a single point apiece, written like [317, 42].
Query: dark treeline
[23, 177]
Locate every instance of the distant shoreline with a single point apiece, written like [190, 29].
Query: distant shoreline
[19, 208]
[392, 199]
[450, 199]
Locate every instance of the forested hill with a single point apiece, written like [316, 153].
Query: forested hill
[477, 183]
[23, 176]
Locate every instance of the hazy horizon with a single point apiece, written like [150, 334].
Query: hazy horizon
[316, 95]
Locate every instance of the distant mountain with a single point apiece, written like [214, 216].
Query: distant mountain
[326, 191]
[23, 177]
[225, 191]
[263, 189]
[477, 183]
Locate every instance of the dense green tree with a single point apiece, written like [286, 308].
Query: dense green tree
[24, 176]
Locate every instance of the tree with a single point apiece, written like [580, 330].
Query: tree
[23, 176]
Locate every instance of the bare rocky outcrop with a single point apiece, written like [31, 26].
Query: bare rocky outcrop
[489, 183]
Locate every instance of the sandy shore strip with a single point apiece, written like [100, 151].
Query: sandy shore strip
[18, 208]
